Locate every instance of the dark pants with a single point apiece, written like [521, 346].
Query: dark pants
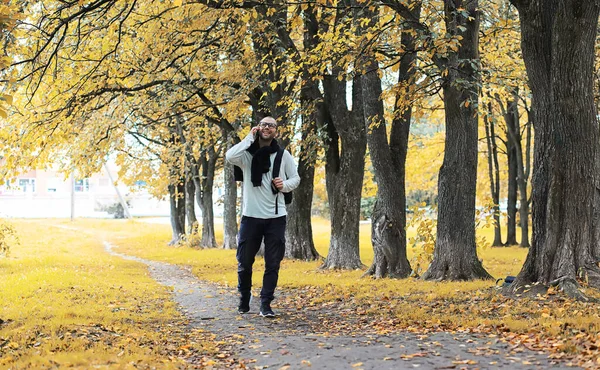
[252, 232]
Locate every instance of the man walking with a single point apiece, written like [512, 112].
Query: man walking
[263, 209]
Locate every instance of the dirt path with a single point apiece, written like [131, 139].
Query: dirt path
[296, 340]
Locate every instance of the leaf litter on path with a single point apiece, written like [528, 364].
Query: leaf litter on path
[351, 333]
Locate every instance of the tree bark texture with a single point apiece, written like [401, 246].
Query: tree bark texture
[493, 173]
[204, 196]
[389, 215]
[558, 39]
[298, 233]
[596, 250]
[299, 242]
[230, 226]
[512, 156]
[190, 205]
[455, 253]
[522, 160]
[177, 205]
[176, 185]
[524, 172]
[388, 221]
[345, 155]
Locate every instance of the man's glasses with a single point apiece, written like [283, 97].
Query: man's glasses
[267, 124]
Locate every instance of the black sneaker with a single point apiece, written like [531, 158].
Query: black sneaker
[266, 311]
[244, 306]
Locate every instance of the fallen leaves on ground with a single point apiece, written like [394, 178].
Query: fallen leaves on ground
[565, 329]
[569, 331]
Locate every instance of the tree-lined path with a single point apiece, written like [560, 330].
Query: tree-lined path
[421, 129]
[110, 293]
[325, 338]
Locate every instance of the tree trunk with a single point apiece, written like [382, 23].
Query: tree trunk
[204, 196]
[511, 152]
[298, 233]
[389, 215]
[511, 206]
[388, 221]
[208, 239]
[558, 48]
[524, 171]
[493, 172]
[177, 203]
[596, 249]
[190, 205]
[455, 254]
[176, 185]
[513, 133]
[345, 154]
[230, 226]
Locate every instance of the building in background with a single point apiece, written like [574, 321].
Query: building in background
[47, 193]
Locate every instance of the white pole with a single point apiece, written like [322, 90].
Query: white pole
[121, 200]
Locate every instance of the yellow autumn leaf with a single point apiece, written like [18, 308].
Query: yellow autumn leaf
[7, 98]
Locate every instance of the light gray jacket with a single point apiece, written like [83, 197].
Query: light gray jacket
[260, 201]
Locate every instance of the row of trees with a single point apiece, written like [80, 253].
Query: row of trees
[170, 85]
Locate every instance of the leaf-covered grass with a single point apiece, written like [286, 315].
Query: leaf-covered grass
[66, 302]
[149, 241]
[565, 328]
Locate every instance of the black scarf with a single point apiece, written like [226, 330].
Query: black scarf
[261, 160]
